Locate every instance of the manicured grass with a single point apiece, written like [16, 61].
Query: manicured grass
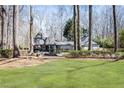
[66, 74]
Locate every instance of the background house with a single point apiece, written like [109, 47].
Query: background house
[47, 44]
[84, 43]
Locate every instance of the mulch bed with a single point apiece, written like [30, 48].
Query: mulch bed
[20, 62]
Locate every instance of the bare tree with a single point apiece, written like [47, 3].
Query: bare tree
[14, 45]
[8, 26]
[90, 27]
[62, 12]
[15, 48]
[2, 14]
[61, 17]
[78, 28]
[31, 29]
[115, 29]
[17, 10]
[74, 27]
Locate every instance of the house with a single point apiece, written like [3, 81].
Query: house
[84, 43]
[51, 45]
[44, 44]
[65, 45]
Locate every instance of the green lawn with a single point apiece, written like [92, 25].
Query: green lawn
[66, 73]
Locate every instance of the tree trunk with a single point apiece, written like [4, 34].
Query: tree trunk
[90, 27]
[14, 31]
[78, 28]
[115, 30]
[31, 29]
[15, 48]
[17, 24]
[2, 25]
[8, 25]
[61, 19]
[74, 27]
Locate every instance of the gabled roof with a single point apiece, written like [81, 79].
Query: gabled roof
[85, 41]
[38, 36]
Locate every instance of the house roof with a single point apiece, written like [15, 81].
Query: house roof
[84, 40]
[38, 36]
[65, 43]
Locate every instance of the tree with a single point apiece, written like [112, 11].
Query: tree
[17, 22]
[104, 42]
[90, 27]
[31, 29]
[61, 10]
[115, 30]
[121, 38]
[2, 14]
[15, 48]
[74, 27]
[103, 22]
[14, 31]
[8, 26]
[68, 30]
[78, 28]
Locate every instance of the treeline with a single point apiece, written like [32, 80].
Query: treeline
[112, 35]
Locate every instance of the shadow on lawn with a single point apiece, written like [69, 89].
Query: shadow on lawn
[70, 72]
[79, 68]
[69, 77]
[90, 66]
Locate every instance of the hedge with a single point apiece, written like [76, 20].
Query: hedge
[93, 54]
[6, 53]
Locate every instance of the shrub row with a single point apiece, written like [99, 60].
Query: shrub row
[96, 54]
[6, 53]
